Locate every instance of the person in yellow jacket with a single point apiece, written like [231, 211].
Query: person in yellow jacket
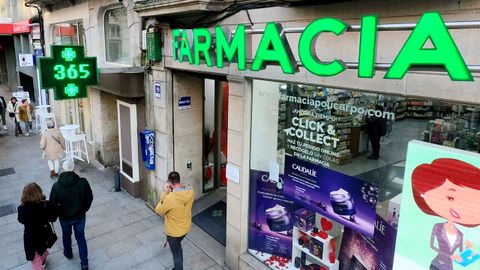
[175, 205]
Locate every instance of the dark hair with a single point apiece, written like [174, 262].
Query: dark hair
[13, 99]
[426, 177]
[32, 193]
[174, 177]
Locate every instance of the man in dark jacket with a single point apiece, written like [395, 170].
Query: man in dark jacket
[376, 128]
[72, 197]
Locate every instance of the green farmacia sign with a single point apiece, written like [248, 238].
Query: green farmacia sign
[196, 46]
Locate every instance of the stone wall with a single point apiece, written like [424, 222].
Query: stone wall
[105, 125]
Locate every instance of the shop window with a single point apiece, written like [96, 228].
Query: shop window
[117, 47]
[68, 34]
[128, 141]
[328, 168]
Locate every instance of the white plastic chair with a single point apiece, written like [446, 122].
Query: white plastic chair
[38, 118]
[41, 120]
[76, 146]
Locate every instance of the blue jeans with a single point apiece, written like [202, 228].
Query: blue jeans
[79, 230]
[175, 244]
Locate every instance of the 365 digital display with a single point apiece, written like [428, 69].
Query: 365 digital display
[68, 71]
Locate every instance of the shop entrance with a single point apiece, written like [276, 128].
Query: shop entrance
[215, 127]
[200, 107]
[27, 83]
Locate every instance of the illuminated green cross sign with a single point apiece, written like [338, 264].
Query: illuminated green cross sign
[68, 71]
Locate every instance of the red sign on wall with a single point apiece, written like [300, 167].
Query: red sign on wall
[6, 29]
[21, 27]
[15, 28]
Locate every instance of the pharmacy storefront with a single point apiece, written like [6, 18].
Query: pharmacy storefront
[340, 179]
[360, 140]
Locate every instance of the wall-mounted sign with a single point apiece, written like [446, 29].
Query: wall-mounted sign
[35, 32]
[25, 60]
[158, 89]
[195, 46]
[68, 71]
[38, 52]
[233, 173]
[154, 50]
[21, 27]
[184, 103]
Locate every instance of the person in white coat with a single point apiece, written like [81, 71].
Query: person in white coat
[13, 109]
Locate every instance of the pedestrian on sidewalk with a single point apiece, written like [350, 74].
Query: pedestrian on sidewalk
[35, 213]
[53, 146]
[3, 109]
[13, 112]
[72, 196]
[175, 205]
[25, 115]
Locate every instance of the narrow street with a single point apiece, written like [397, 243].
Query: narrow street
[122, 232]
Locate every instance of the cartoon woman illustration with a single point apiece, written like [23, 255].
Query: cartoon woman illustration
[450, 189]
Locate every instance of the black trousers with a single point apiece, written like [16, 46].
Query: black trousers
[18, 129]
[175, 244]
[2, 116]
[375, 141]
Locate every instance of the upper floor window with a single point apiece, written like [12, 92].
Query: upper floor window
[117, 47]
[68, 34]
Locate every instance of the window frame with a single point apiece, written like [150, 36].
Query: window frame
[133, 140]
[129, 61]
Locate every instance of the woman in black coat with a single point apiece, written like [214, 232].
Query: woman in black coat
[35, 213]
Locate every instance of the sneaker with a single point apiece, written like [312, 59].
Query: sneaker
[85, 267]
[27, 134]
[5, 127]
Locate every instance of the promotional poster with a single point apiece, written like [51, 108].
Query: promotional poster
[362, 253]
[439, 225]
[345, 199]
[271, 220]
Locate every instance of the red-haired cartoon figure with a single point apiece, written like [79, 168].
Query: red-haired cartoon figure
[450, 189]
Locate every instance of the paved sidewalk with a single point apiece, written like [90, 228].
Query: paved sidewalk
[122, 232]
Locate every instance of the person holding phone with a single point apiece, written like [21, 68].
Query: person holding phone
[175, 205]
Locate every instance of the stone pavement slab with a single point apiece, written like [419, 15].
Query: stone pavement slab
[122, 232]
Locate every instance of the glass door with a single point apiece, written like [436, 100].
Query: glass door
[215, 126]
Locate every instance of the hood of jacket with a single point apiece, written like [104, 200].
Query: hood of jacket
[183, 195]
[68, 179]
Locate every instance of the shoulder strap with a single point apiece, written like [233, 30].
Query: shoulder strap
[56, 139]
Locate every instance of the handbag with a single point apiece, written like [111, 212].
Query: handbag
[51, 236]
[11, 114]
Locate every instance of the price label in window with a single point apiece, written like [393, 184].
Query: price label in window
[68, 72]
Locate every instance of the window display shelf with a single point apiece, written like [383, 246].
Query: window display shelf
[323, 244]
